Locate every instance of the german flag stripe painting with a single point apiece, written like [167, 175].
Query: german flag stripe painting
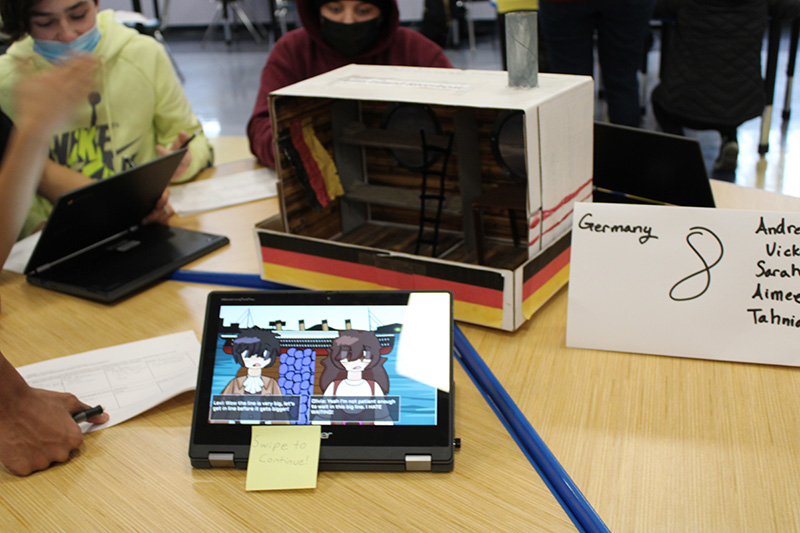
[477, 293]
[543, 276]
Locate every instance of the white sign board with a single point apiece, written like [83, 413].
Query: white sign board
[709, 283]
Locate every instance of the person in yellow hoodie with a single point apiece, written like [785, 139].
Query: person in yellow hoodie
[138, 112]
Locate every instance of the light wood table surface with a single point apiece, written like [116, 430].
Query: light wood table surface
[137, 477]
[235, 222]
[660, 443]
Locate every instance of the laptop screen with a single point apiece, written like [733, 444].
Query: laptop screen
[91, 214]
[379, 361]
[633, 165]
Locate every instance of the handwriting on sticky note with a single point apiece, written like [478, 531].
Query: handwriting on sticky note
[283, 457]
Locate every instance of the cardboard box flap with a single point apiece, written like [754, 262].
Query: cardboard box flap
[469, 88]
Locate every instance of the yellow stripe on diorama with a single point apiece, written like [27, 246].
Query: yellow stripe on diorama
[470, 312]
[316, 280]
[548, 289]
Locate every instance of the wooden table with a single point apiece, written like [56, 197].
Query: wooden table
[137, 476]
[236, 222]
[660, 443]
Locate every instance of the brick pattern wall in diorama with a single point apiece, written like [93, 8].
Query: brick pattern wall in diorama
[301, 217]
[382, 169]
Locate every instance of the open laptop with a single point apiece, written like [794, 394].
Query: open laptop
[373, 368]
[633, 165]
[94, 245]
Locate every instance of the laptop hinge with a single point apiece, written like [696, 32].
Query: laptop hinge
[418, 463]
[221, 460]
[43, 268]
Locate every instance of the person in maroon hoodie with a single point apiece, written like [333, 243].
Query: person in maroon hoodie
[334, 34]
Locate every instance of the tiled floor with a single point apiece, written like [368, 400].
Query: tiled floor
[221, 83]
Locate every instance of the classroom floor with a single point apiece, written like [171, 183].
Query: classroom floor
[221, 83]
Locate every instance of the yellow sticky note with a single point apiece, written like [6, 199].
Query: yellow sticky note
[283, 457]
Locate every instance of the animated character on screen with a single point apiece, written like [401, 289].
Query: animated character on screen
[355, 366]
[254, 349]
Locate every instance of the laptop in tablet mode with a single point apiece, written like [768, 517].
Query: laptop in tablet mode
[374, 369]
[633, 165]
[94, 245]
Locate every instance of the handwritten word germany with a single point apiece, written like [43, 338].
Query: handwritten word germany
[646, 232]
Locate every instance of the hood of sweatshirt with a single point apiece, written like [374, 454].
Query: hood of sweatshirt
[308, 10]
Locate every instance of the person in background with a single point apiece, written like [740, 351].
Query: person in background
[568, 28]
[36, 426]
[334, 34]
[137, 113]
[711, 74]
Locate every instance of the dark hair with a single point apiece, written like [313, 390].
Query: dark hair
[351, 345]
[16, 18]
[255, 341]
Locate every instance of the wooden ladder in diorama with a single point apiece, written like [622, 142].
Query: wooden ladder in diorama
[428, 151]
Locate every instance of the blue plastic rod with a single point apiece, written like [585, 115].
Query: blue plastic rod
[247, 281]
[579, 508]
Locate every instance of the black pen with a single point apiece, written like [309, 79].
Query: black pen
[187, 141]
[83, 416]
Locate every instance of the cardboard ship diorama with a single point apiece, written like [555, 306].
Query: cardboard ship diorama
[421, 178]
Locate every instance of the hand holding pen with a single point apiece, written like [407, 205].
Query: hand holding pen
[40, 430]
[88, 414]
[182, 141]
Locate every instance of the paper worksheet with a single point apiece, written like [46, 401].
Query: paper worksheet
[223, 191]
[21, 253]
[127, 379]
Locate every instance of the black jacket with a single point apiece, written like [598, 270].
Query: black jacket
[712, 64]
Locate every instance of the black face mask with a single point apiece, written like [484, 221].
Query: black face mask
[350, 39]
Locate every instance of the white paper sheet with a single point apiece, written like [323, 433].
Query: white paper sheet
[711, 283]
[21, 252]
[127, 379]
[223, 191]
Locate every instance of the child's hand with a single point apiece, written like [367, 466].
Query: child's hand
[176, 145]
[162, 211]
[47, 100]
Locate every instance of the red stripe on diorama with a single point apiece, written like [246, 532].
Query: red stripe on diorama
[382, 277]
[545, 274]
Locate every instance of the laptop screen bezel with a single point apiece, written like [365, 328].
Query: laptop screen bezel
[370, 439]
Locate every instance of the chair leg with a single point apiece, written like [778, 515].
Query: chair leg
[213, 24]
[470, 28]
[226, 22]
[280, 15]
[237, 9]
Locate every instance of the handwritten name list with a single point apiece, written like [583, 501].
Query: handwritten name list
[710, 283]
[777, 273]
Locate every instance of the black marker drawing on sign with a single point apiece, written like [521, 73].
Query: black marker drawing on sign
[704, 233]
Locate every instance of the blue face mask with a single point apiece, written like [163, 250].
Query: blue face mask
[56, 50]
